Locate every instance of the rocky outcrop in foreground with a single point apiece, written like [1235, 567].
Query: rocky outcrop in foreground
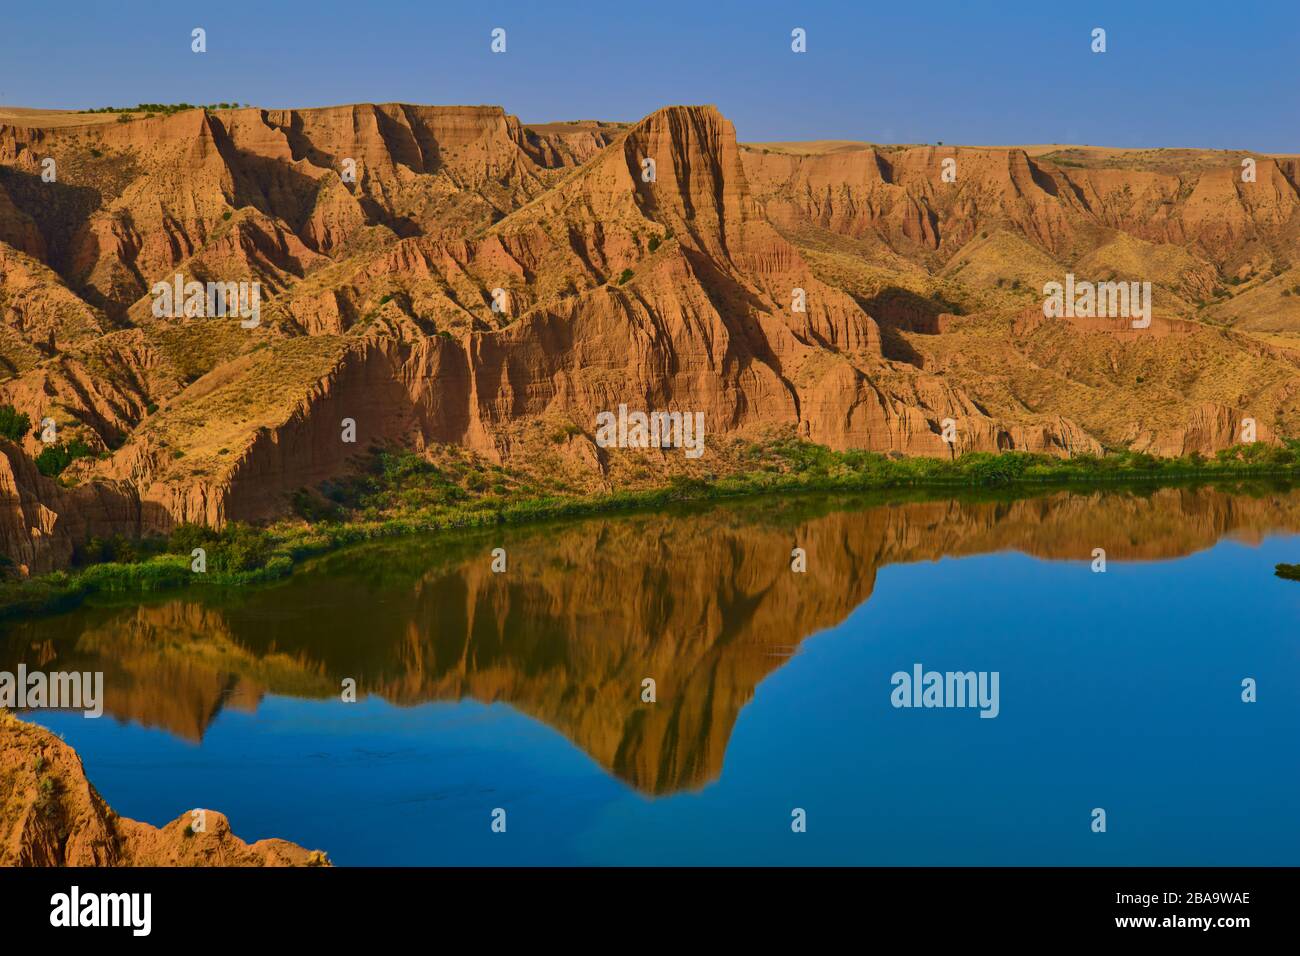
[51, 815]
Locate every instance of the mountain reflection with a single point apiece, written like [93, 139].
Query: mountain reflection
[703, 601]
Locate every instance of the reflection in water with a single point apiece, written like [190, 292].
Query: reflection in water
[703, 601]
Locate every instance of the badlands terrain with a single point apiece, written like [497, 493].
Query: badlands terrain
[435, 277]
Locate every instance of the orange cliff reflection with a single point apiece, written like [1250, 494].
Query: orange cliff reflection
[703, 602]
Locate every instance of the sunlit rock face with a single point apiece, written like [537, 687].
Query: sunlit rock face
[448, 275]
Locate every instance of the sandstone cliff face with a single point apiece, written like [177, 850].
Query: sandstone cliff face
[28, 525]
[450, 275]
[706, 320]
[50, 815]
[17, 230]
[41, 522]
[901, 197]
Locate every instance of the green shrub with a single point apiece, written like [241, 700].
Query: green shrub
[184, 538]
[243, 548]
[47, 797]
[623, 279]
[990, 469]
[280, 566]
[117, 549]
[13, 424]
[237, 547]
[313, 508]
[102, 550]
[53, 459]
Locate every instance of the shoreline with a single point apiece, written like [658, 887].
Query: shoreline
[289, 544]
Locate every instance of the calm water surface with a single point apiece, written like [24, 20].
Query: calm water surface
[522, 690]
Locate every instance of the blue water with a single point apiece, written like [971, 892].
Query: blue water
[1119, 690]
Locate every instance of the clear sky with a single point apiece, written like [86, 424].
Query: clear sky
[1190, 73]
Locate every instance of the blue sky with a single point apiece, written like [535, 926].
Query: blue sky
[1187, 73]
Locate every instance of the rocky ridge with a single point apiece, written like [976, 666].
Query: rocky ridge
[450, 275]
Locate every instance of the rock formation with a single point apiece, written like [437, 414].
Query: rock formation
[449, 275]
[50, 815]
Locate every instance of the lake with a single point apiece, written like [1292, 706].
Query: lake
[774, 690]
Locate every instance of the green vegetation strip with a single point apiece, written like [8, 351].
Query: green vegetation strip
[404, 494]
